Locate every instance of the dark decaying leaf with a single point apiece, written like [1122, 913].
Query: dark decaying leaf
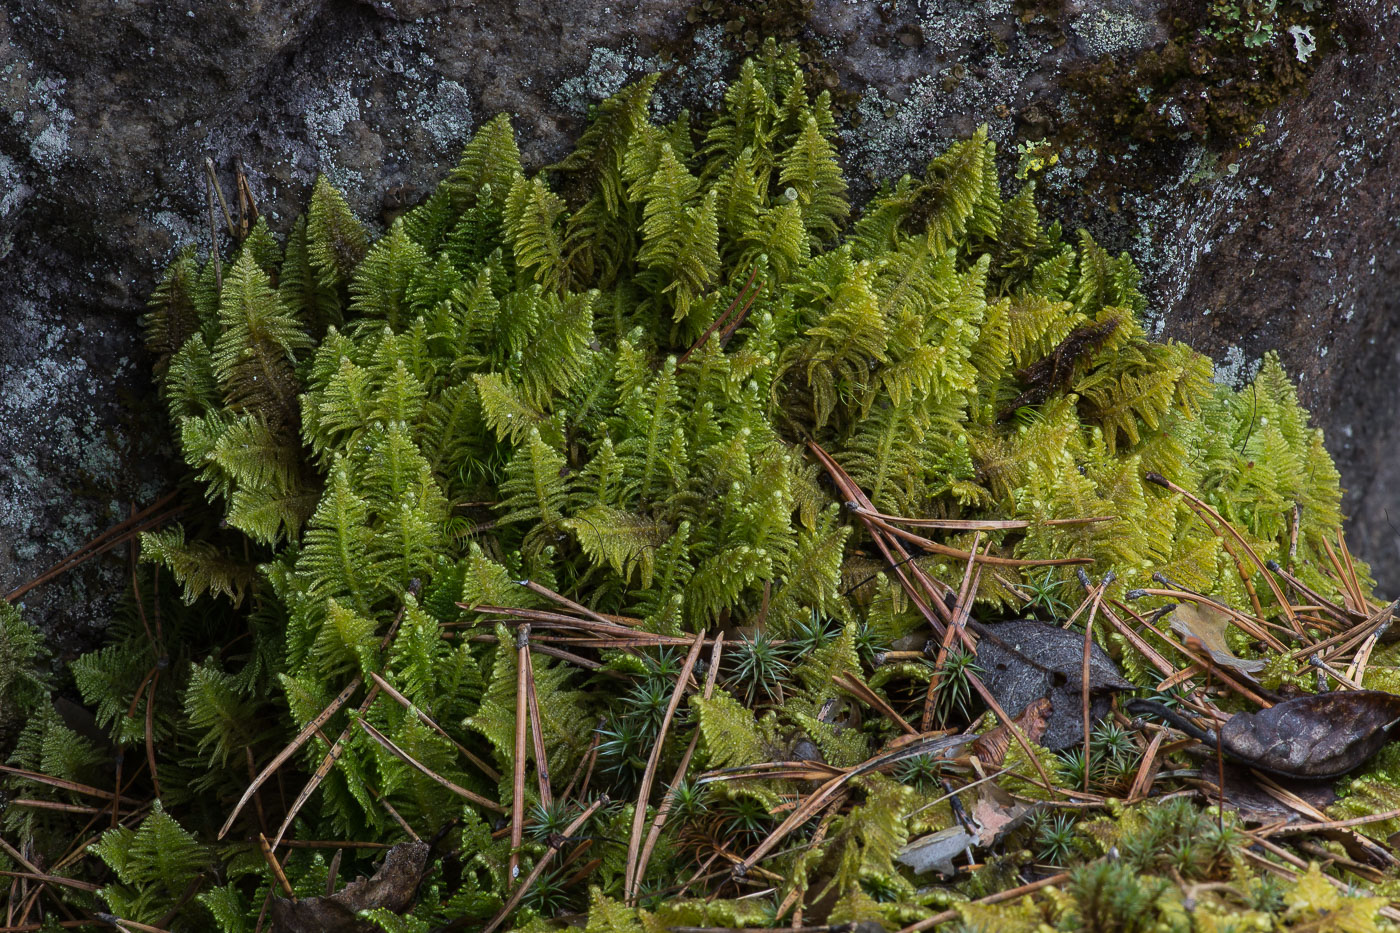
[393, 887]
[1322, 736]
[1027, 660]
[1256, 805]
[1053, 372]
[1309, 738]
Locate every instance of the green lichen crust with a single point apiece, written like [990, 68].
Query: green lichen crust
[520, 380]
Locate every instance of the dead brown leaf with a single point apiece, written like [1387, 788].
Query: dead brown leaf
[997, 813]
[1309, 738]
[1208, 625]
[991, 747]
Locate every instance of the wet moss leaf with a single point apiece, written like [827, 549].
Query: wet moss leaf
[1315, 904]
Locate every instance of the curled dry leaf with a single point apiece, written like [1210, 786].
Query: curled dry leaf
[1309, 738]
[1028, 660]
[936, 851]
[393, 887]
[991, 747]
[994, 814]
[997, 813]
[1208, 625]
[1321, 736]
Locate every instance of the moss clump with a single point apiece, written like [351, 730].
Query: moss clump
[1225, 65]
[24, 684]
[618, 396]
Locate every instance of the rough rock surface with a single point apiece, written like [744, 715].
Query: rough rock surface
[110, 108]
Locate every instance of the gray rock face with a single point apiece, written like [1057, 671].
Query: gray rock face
[1300, 251]
[110, 108]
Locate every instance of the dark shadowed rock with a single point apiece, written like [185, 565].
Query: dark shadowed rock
[110, 109]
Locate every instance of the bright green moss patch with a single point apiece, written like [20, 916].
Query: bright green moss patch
[523, 380]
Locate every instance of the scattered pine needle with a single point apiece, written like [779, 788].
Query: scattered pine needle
[632, 879]
[542, 864]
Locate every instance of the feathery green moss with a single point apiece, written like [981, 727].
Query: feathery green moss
[522, 380]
